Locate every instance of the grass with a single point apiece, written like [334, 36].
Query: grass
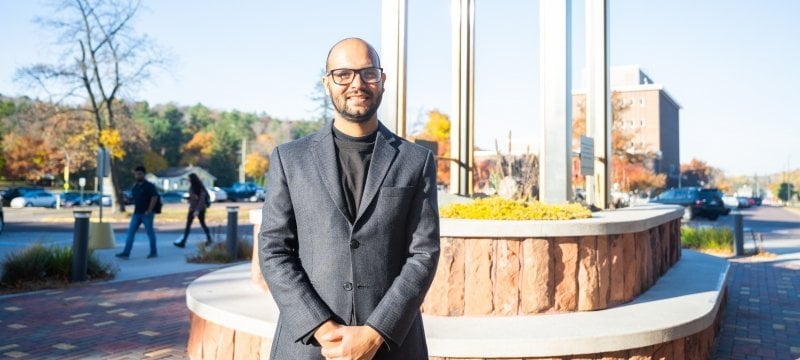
[42, 267]
[713, 239]
[217, 253]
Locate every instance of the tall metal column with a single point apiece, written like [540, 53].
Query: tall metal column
[555, 69]
[598, 109]
[392, 112]
[462, 124]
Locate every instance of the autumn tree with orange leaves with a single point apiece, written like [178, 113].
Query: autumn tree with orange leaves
[437, 129]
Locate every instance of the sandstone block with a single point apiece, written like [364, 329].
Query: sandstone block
[646, 261]
[455, 283]
[603, 271]
[435, 302]
[618, 264]
[194, 347]
[507, 277]
[588, 278]
[678, 349]
[246, 346]
[478, 285]
[629, 257]
[538, 268]
[566, 274]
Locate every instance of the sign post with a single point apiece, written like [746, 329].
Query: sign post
[82, 183]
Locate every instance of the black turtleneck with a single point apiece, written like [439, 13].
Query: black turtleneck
[354, 154]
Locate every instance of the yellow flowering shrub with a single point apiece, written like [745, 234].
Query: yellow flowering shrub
[497, 208]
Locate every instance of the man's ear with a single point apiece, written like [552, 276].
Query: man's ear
[325, 85]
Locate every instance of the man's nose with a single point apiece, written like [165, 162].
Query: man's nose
[357, 82]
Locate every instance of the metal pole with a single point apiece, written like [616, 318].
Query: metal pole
[80, 245]
[738, 234]
[555, 92]
[233, 227]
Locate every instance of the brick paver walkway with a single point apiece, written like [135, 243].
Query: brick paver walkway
[137, 319]
[762, 318]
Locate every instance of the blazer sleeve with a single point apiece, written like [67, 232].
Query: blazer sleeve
[396, 311]
[302, 310]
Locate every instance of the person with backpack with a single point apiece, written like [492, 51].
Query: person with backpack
[145, 201]
[199, 201]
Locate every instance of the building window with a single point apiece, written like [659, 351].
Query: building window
[642, 122]
[641, 102]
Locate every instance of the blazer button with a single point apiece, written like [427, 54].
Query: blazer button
[354, 244]
[348, 286]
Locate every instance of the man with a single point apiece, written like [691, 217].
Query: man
[350, 233]
[145, 197]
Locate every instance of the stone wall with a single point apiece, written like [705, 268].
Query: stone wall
[523, 276]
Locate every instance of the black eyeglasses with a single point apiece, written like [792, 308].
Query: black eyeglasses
[368, 75]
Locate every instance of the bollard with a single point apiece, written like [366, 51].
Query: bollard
[738, 234]
[231, 243]
[80, 245]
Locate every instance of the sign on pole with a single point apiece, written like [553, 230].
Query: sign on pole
[587, 156]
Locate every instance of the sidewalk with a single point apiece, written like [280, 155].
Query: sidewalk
[762, 317]
[141, 314]
[135, 319]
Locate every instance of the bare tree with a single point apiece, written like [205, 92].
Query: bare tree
[101, 56]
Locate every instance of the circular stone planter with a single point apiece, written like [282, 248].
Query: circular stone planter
[495, 282]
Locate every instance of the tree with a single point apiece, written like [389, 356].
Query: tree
[698, 173]
[437, 129]
[786, 191]
[105, 57]
[256, 166]
[323, 101]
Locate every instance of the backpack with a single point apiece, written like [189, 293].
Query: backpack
[159, 204]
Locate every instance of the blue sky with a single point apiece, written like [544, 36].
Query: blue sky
[732, 65]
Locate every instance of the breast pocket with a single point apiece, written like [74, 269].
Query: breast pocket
[399, 191]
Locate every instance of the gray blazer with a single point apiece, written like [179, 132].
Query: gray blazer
[373, 271]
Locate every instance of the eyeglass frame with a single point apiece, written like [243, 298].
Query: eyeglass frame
[355, 71]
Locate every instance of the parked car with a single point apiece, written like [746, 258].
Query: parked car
[169, 197]
[94, 199]
[730, 202]
[12, 193]
[243, 191]
[215, 194]
[39, 198]
[70, 199]
[695, 202]
[2, 218]
[716, 192]
[744, 202]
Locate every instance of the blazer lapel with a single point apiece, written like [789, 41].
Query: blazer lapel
[327, 165]
[382, 158]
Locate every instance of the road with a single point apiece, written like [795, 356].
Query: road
[777, 225]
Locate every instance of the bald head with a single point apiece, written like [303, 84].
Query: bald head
[351, 47]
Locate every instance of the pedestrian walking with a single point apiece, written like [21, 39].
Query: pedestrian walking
[198, 203]
[145, 198]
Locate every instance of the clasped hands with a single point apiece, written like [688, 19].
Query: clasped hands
[348, 342]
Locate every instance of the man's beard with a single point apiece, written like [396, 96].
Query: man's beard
[354, 117]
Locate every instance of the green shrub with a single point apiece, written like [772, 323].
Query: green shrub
[217, 253]
[497, 208]
[39, 266]
[707, 238]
